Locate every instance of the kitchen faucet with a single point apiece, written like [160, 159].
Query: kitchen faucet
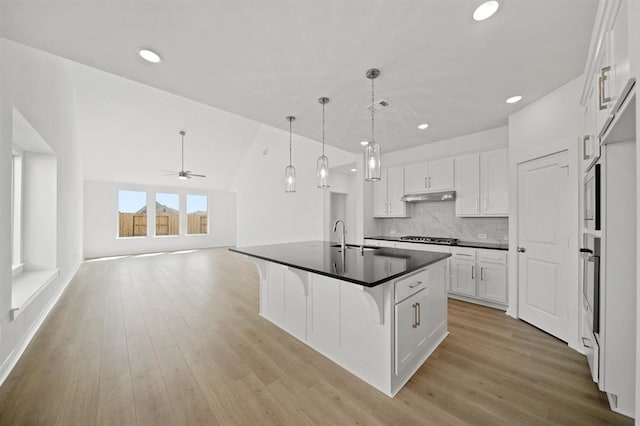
[344, 231]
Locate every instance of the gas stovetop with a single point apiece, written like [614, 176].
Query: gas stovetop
[431, 240]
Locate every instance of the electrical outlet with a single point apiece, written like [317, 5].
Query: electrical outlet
[482, 236]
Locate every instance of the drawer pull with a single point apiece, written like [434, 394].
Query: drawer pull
[463, 254]
[586, 342]
[416, 284]
[603, 100]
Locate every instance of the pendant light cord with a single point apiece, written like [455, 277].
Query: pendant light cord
[182, 136]
[290, 141]
[372, 110]
[323, 128]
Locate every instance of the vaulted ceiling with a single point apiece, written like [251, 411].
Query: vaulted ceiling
[267, 59]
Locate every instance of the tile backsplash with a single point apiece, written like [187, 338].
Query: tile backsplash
[438, 219]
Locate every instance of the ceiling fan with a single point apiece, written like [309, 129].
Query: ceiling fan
[183, 174]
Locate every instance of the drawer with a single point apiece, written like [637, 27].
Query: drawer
[463, 253]
[493, 256]
[410, 285]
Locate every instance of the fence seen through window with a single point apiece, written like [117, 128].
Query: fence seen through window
[197, 214]
[132, 214]
[167, 214]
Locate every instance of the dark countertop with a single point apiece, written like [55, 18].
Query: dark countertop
[369, 269]
[472, 244]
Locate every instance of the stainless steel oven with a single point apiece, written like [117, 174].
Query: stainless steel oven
[590, 253]
[592, 199]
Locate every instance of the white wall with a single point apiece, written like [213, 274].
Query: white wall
[40, 86]
[551, 124]
[266, 214]
[475, 142]
[101, 221]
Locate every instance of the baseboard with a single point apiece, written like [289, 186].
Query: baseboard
[15, 355]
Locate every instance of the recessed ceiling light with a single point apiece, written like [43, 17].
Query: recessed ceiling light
[486, 10]
[423, 126]
[363, 143]
[149, 55]
[513, 99]
[354, 170]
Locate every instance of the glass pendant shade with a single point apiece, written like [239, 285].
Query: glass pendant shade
[372, 162]
[290, 179]
[322, 172]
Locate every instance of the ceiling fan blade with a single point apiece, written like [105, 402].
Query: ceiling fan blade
[193, 174]
[169, 174]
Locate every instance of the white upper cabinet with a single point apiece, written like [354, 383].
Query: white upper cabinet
[468, 185]
[432, 176]
[494, 188]
[608, 67]
[481, 184]
[387, 194]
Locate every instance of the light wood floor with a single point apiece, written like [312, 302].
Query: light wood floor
[176, 339]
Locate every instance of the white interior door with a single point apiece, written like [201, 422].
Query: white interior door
[543, 243]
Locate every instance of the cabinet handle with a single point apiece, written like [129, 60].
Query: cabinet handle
[429, 181]
[390, 208]
[418, 306]
[585, 139]
[425, 182]
[586, 342]
[472, 272]
[416, 284]
[415, 315]
[602, 99]
[481, 273]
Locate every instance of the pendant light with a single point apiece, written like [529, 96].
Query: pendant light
[290, 171]
[372, 150]
[322, 170]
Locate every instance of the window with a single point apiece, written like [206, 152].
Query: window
[197, 214]
[167, 214]
[16, 210]
[132, 214]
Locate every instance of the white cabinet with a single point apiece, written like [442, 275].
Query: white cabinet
[410, 335]
[492, 284]
[608, 66]
[479, 276]
[436, 175]
[420, 316]
[482, 184]
[463, 272]
[387, 194]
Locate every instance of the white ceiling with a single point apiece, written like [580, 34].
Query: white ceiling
[268, 59]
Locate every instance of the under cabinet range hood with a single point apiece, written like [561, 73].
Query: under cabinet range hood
[430, 196]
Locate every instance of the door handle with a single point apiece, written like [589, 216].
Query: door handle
[481, 273]
[521, 249]
[415, 315]
[472, 272]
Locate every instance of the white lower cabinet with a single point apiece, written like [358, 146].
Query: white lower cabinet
[492, 285]
[463, 277]
[479, 275]
[410, 333]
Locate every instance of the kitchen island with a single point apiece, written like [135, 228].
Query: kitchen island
[377, 312]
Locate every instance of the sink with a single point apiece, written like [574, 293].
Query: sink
[355, 247]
